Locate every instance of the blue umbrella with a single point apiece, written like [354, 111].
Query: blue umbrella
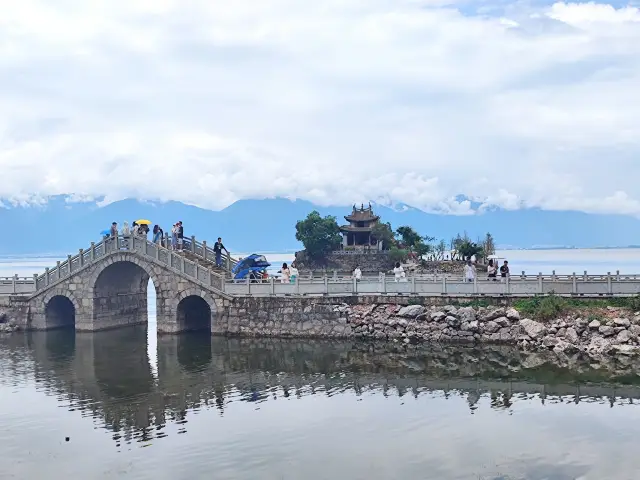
[105, 232]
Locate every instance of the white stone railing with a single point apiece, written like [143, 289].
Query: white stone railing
[438, 285]
[131, 243]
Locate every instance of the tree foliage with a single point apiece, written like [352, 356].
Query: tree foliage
[320, 236]
[414, 242]
[383, 232]
[489, 246]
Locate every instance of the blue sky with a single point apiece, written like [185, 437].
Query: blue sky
[510, 104]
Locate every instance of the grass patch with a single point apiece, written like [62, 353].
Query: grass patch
[552, 306]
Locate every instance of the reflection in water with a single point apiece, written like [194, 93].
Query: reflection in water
[107, 376]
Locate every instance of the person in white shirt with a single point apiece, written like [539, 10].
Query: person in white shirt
[469, 272]
[398, 272]
[285, 274]
[293, 273]
[357, 274]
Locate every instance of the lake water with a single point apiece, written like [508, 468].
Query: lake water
[190, 406]
[258, 409]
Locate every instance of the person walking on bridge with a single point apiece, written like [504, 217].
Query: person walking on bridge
[217, 249]
[180, 234]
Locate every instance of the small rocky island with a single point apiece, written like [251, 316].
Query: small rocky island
[373, 246]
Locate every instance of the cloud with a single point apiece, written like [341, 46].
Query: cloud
[400, 101]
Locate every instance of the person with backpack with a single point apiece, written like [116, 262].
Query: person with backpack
[217, 249]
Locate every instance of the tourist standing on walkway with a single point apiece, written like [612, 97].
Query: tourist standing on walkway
[357, 273]
[180, 234]
[114, 229]
[398, 272]
[217, 249]
[469, 272]
[157, 235]
[174, 236]
[286, 274]
[293, 272]
[504, 270]
[492, 270]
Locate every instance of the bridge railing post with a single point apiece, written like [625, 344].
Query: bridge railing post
[444, 285]
[553, 275]
[248, 285]
[383, 281]
[354, 283]
[272, 285]
[193, 244]
[540, 287]
[145, 246]
[574, 284]
[507, 284]
[81, 256]
[204, 250]
[58, 269]
[166, 241]
[475, 284]
[92, 255]
[182, 260]
[585, 277]
[15, 283]
[69, 263]
[326, 284]
[46, 275]
[35, 280]
[617, 275]
[609, 286]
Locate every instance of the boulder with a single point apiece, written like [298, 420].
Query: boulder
[634, 330]
[549, 341]
[623, 337]
[532, 328]
[411, 311]
[571, 335]
[452, 321]
[622, 322]
[606, 330]
[491, 327]
[595, 324]
[598, 345]
[438, 316]
[512, 314]
[467, 314]
[564, 347]
[503, 321]
[492, 314]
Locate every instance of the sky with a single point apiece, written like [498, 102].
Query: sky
[510, 104]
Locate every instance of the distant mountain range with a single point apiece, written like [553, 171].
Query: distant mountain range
[269, 225]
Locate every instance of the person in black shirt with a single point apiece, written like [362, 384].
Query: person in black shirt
[504, 269]
[217, 248]
[180, 235]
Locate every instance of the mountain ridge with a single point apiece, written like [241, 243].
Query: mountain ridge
[269, 224]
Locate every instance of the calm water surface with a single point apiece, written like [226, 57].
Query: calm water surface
[201, 407]
[137, 406]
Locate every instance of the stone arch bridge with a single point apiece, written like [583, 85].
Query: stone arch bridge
[106, 287]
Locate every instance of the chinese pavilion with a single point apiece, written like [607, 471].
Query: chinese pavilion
[357, 235]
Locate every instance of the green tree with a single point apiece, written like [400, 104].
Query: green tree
[440, 250]
[489, 245]
[397, 254]
[320, 236]
[467, 249]
[384, 233]
[408, 236]
[414, 242]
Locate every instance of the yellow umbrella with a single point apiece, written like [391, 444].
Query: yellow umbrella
[143, 222]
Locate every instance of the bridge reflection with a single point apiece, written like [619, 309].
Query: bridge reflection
[107, 375]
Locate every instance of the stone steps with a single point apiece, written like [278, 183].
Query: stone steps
[211, 264]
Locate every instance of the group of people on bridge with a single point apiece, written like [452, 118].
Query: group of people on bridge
[140, 228]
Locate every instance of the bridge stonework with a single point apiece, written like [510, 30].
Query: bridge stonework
[112, 292]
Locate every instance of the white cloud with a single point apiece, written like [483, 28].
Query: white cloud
[338, 101]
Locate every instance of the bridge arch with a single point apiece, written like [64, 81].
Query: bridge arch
[60, 309]
[195, 310]
[119, 292]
